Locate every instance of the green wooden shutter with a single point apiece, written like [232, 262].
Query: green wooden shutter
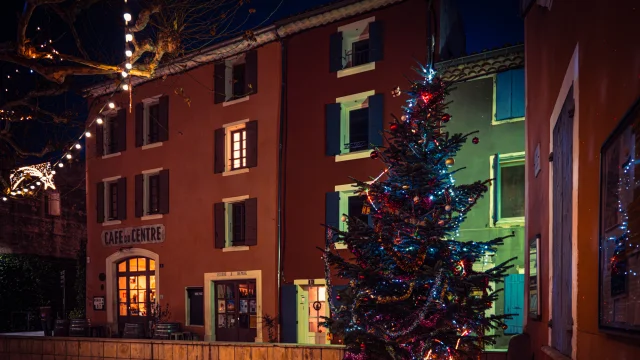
[333, 129]
[335, 52]
[376, 114]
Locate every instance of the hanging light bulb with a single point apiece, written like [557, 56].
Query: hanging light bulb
[32, 187]
[68, 156]
[125, 87]
[128, 66]
[4, 198]
[99, 121]
[38, 183]
[13, 193]
[128, 53]
[60, 164]
[127, 17]
[53, 172]
[78, 146]
[87, 134]
[124, 74]
[112, 105]
[128, 37]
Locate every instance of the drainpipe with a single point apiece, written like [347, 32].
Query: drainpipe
[281, 173]
[431, 33]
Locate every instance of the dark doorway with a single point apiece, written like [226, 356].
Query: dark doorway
[236, 316]
[136, 290]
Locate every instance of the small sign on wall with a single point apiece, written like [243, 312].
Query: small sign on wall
[536, 161]
[98, 303]
[149, 234]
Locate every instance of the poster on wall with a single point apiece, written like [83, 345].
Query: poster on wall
[98, 303]
[619, 248]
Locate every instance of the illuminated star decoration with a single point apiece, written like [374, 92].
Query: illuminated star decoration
[42, 172]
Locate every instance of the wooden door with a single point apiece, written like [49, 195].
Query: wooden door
[236, 311]
[561, 316]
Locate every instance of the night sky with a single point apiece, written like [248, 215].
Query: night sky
[488, 24]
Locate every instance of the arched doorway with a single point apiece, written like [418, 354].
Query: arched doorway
[136, 284]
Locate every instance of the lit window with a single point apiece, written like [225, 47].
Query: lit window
[238, 149]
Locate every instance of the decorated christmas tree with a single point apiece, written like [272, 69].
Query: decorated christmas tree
[413, 292]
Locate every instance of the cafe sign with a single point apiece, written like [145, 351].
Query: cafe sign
[149, 234]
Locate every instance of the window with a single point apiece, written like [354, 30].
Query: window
[238, 81]
[111, 138]
[509, 103]
[152, 122]
[111, 199]
[360, 52]
[153, 126]
[343, 201]
[356, 47]
[508, 188]
[354, 125]
[236, 147]
[236, 222]
[236, 78]
[195, 306]
[153, 197]
[152, 193]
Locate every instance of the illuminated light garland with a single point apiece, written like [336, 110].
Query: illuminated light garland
[41, 171]
[388, 299]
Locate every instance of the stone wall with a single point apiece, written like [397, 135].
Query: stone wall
[40, 348]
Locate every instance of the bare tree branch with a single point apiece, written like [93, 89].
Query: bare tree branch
[24, 153]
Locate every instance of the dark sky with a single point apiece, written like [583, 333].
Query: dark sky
[488, 23]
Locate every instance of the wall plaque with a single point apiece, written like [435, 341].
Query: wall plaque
[98, 303]
[148, 234]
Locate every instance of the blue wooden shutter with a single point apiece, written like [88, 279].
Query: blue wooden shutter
[335, 52]
[289, 311]
[514, 303]
[376, 45]
[376, 109]
[496, 188]
[503, 95]
[332, 211]
[333, 128]
[517, 93]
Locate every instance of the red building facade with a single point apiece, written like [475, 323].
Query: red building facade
[181, 194]
[581, 79]
[333, 113]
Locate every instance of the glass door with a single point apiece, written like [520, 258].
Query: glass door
[317, 334]
[236, 311]
[136, 290]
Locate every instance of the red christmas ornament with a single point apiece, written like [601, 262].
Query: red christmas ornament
[475, 140]
[393, 127]
[374, 155]
[446, 118]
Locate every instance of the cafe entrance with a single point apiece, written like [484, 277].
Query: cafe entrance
[136, 290]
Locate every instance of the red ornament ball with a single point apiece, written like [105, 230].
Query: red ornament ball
[446, 117]
[475, 140]
[374, 155]
[504, 327]
[393, 127]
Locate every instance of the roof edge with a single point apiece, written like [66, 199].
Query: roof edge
[298, 23]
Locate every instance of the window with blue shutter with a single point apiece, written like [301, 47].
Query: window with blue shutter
[510, 95]
[333, 128]
[376, 113]
[332, 211]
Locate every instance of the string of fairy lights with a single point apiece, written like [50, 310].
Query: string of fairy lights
[27, 181]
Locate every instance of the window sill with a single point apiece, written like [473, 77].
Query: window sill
[510, 222]
[195, 326]
[152, 145]
[111, 155]
[340, 246]
[235, 172]
[151, 217]
[506, 121]
[356, 69]
[235, 101]
[354, 155]
[111, 222]
[235, 248]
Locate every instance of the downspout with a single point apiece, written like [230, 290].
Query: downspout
[431, 33]
[281, 173]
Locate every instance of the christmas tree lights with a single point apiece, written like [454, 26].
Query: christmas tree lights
[413, 292]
